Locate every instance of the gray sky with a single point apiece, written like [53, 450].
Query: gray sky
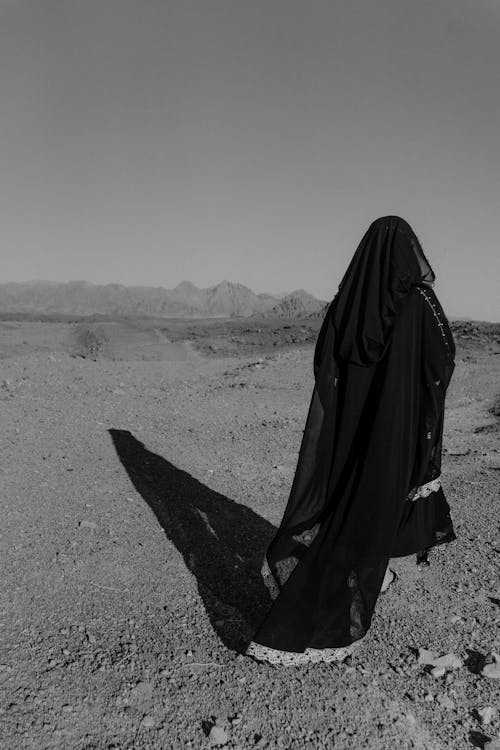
[153, 141]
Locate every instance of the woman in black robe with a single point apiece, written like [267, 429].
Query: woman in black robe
[367, 485]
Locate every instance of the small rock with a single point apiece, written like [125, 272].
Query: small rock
[236, 720]
[431, 658]
[492, 744]
[428, 697]
[148, 722]
[218, 736]
[455, 619]
[445, 701]
[492, 667]
[486, 714]
[87, 525]
[426, 657]
[438, 672]
[448, 661]
[141, 693]
[492, 671]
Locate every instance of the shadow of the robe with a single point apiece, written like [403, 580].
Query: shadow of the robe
[222, 542]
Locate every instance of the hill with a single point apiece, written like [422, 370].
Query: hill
[226, 299]
[298, 304]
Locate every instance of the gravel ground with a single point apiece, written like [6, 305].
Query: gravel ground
[138, 498]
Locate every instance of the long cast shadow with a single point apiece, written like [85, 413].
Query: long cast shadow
[221, 541]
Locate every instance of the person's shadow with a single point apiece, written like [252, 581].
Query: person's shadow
[222, 542]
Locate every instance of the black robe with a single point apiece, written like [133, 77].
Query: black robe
[383, 362]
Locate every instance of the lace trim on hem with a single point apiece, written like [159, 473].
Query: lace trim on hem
[292, 659]
[269, 580]
[425, 489]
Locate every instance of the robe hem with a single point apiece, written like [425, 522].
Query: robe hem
[275, 657]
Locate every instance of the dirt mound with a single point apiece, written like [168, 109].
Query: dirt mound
[127, 341]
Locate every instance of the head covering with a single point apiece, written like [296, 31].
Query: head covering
[388, 263]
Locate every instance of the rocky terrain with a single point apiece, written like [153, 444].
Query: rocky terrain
[144, 467]
[80, 298]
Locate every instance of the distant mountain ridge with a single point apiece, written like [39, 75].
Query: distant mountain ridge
[82, 298]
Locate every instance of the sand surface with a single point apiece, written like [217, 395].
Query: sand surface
[141, 479]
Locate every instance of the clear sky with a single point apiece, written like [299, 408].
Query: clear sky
[151, 141]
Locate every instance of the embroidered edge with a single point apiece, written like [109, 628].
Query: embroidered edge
[275, 657]
[436, 316]
[269, 580]
[425, 489]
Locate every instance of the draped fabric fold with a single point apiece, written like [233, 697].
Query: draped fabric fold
[372, 439]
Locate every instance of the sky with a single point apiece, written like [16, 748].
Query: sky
[151, 141]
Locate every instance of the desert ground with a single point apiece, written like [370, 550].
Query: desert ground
[144, 467]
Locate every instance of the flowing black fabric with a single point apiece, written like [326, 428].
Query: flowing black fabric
[382, 364]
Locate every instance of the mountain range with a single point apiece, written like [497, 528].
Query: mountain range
[186, 300]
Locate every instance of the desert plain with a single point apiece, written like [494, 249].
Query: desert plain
[145, 465]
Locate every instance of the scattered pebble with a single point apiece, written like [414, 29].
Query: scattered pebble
[486, 714]
[141, 692]
[438, 672]
[445, 701]
[491, 668]
[447, 661]
[426, 657]
[218, 736]
[87, 525]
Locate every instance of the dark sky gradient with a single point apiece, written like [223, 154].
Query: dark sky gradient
[147, 142]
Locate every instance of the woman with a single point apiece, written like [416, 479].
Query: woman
[367, 485]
